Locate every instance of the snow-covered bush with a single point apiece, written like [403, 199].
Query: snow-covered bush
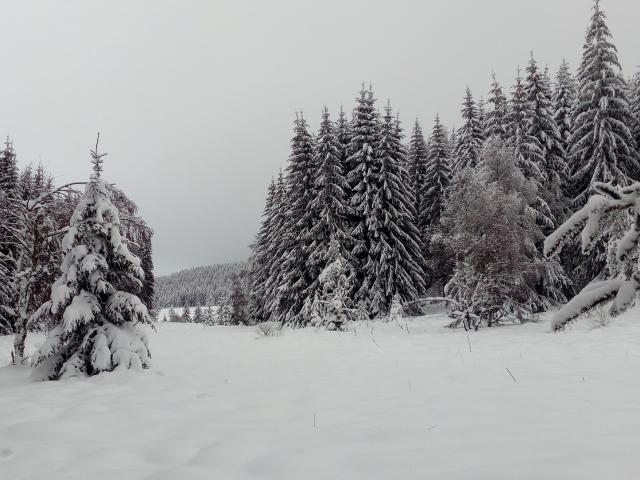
[269, 329]
[599, 316]
[621, 291]
[99, 321]
[396, 312]
[491, 228]
[490, 231]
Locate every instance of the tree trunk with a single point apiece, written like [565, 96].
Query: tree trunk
[23, 306]
[19, 341]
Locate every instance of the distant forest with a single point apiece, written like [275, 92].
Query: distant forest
[203, 286]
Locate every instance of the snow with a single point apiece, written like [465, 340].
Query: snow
[409, 400]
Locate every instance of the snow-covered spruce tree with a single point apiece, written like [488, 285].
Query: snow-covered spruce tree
[8, 246]
[224, 314]
[38, 225]
[275, 250]
[563, 101]
[634, 99]
[496, 118]
[145, 250]
[294, 279]
[395, 253]
[260, 261]
[7, 313]
[602, 144]
[334, 282]
[329, 208]
[100, 322]
[541, 125]
[437, 178]
[140, 241]
[621, 292]
[528, 150]
[238, 301]
[343, 136]
[198, 316]
[187, 317]
[482, 115]
[8, 168]
[435, 190]
[416, 163]
[550, 204]
[209, 315]
[363, 179]
[470, 136]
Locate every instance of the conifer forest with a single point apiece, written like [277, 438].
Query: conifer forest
[448, 293]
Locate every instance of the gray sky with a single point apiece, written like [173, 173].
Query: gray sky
[195, 99]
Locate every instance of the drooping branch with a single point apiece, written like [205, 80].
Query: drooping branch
[620, 292]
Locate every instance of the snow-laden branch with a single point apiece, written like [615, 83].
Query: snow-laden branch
[62, 189]
[620, 292]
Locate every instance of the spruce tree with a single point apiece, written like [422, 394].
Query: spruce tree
[8, 168]
[541, 125]
[363, 179]
[437, 178]
[416, 163]
[238, 302]
[99, 320]
[496, 118]
[634, 99]
[328, 209]
[186, 313]
[146, 262]
[294, 279]
[563, 101]
[396, 247]
[470, 136]
[482, 115]
[343, 136]
[7, 313]
[8, 192]
[527, 147]
[275, 250]
[260, 261]
[334, 286]
[602, 144]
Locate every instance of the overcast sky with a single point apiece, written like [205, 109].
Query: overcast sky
[195, 99]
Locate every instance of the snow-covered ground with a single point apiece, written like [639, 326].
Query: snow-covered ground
[383, 402]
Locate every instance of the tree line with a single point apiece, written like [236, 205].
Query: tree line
[360, 223]
[205, 285]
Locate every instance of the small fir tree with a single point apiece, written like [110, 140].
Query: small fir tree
[238, 301]
[99, 319]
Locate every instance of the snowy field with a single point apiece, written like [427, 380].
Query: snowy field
[386, 401]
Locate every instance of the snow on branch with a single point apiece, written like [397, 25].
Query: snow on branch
[620, 292]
